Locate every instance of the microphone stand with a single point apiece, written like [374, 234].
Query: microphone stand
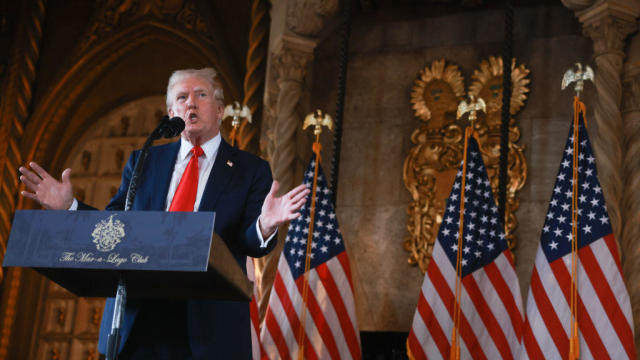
[168, 128]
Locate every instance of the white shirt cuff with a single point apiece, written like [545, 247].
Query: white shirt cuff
[74, 205]
[263, 242]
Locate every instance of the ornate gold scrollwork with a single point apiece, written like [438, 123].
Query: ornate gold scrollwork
[487, 85]
[430, 168]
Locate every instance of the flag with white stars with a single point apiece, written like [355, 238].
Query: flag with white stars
[604, 312]
[491, 304]
[331, 330]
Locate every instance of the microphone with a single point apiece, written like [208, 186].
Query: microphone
[169, 127]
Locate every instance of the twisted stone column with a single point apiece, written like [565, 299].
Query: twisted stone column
[16, 102]
[630, 240]
[256, 65]
[294, 26]
[608, 29]
[291, 65]
[15, 105]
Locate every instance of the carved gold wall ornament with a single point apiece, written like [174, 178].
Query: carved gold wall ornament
[487, 84]
[430, 168]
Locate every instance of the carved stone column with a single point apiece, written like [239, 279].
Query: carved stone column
[608, 23]
[295, 25]
[630, 240]
[15, 101]
[291, 59]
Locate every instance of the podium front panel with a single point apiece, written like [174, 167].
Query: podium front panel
[111, 240]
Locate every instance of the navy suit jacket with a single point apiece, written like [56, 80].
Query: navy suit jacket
[235, 190]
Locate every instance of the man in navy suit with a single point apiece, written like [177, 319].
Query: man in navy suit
[235, 184]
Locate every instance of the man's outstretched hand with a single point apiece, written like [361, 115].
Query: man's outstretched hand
[45, 189]
[278, 210]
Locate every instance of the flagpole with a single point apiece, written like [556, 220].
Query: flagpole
[579, 77]
[472, 108]
[307, 262]
[455, 347]
[317, 120]
[574, 345]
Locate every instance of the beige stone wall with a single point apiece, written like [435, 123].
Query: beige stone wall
[387, 51]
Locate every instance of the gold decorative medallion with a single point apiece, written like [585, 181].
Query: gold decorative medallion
[430, 168]
[108, 233]
[487, 84]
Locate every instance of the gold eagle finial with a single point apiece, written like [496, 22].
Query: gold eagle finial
[579, 77]
[318, 119]
[472, 107]
[237, 112]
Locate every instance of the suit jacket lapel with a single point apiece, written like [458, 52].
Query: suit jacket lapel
[163, 170]
[219, 178]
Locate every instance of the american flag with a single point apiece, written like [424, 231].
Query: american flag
[331, 329]
[604, 312]
[491, 305]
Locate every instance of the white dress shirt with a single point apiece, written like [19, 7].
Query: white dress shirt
[205, 164]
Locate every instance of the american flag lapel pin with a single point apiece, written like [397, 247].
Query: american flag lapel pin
[229, 163]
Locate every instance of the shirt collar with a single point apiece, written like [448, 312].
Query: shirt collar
[210, 147]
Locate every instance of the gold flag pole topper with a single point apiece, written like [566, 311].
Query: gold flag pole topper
[316, 119]
[236, 112]
[472, 107]
[579, 77]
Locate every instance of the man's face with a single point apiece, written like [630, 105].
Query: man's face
[193, 101]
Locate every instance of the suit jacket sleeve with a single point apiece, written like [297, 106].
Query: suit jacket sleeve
[258, 190]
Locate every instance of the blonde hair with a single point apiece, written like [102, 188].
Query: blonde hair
[208, 74]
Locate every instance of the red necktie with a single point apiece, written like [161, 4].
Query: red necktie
[185, 197]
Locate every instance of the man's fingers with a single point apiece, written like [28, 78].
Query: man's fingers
[297, 205]
[298, 189]
[29, 195]
[40, 171]
[301, 195]
[293, 216]
[30, 184]
[30, 175]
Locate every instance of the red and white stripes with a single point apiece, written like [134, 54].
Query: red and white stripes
[604, 311]
[331, 329]
[491, 307]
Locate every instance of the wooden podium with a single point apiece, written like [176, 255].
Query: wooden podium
[157, 254]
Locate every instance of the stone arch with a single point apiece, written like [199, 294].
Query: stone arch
[106, 76]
